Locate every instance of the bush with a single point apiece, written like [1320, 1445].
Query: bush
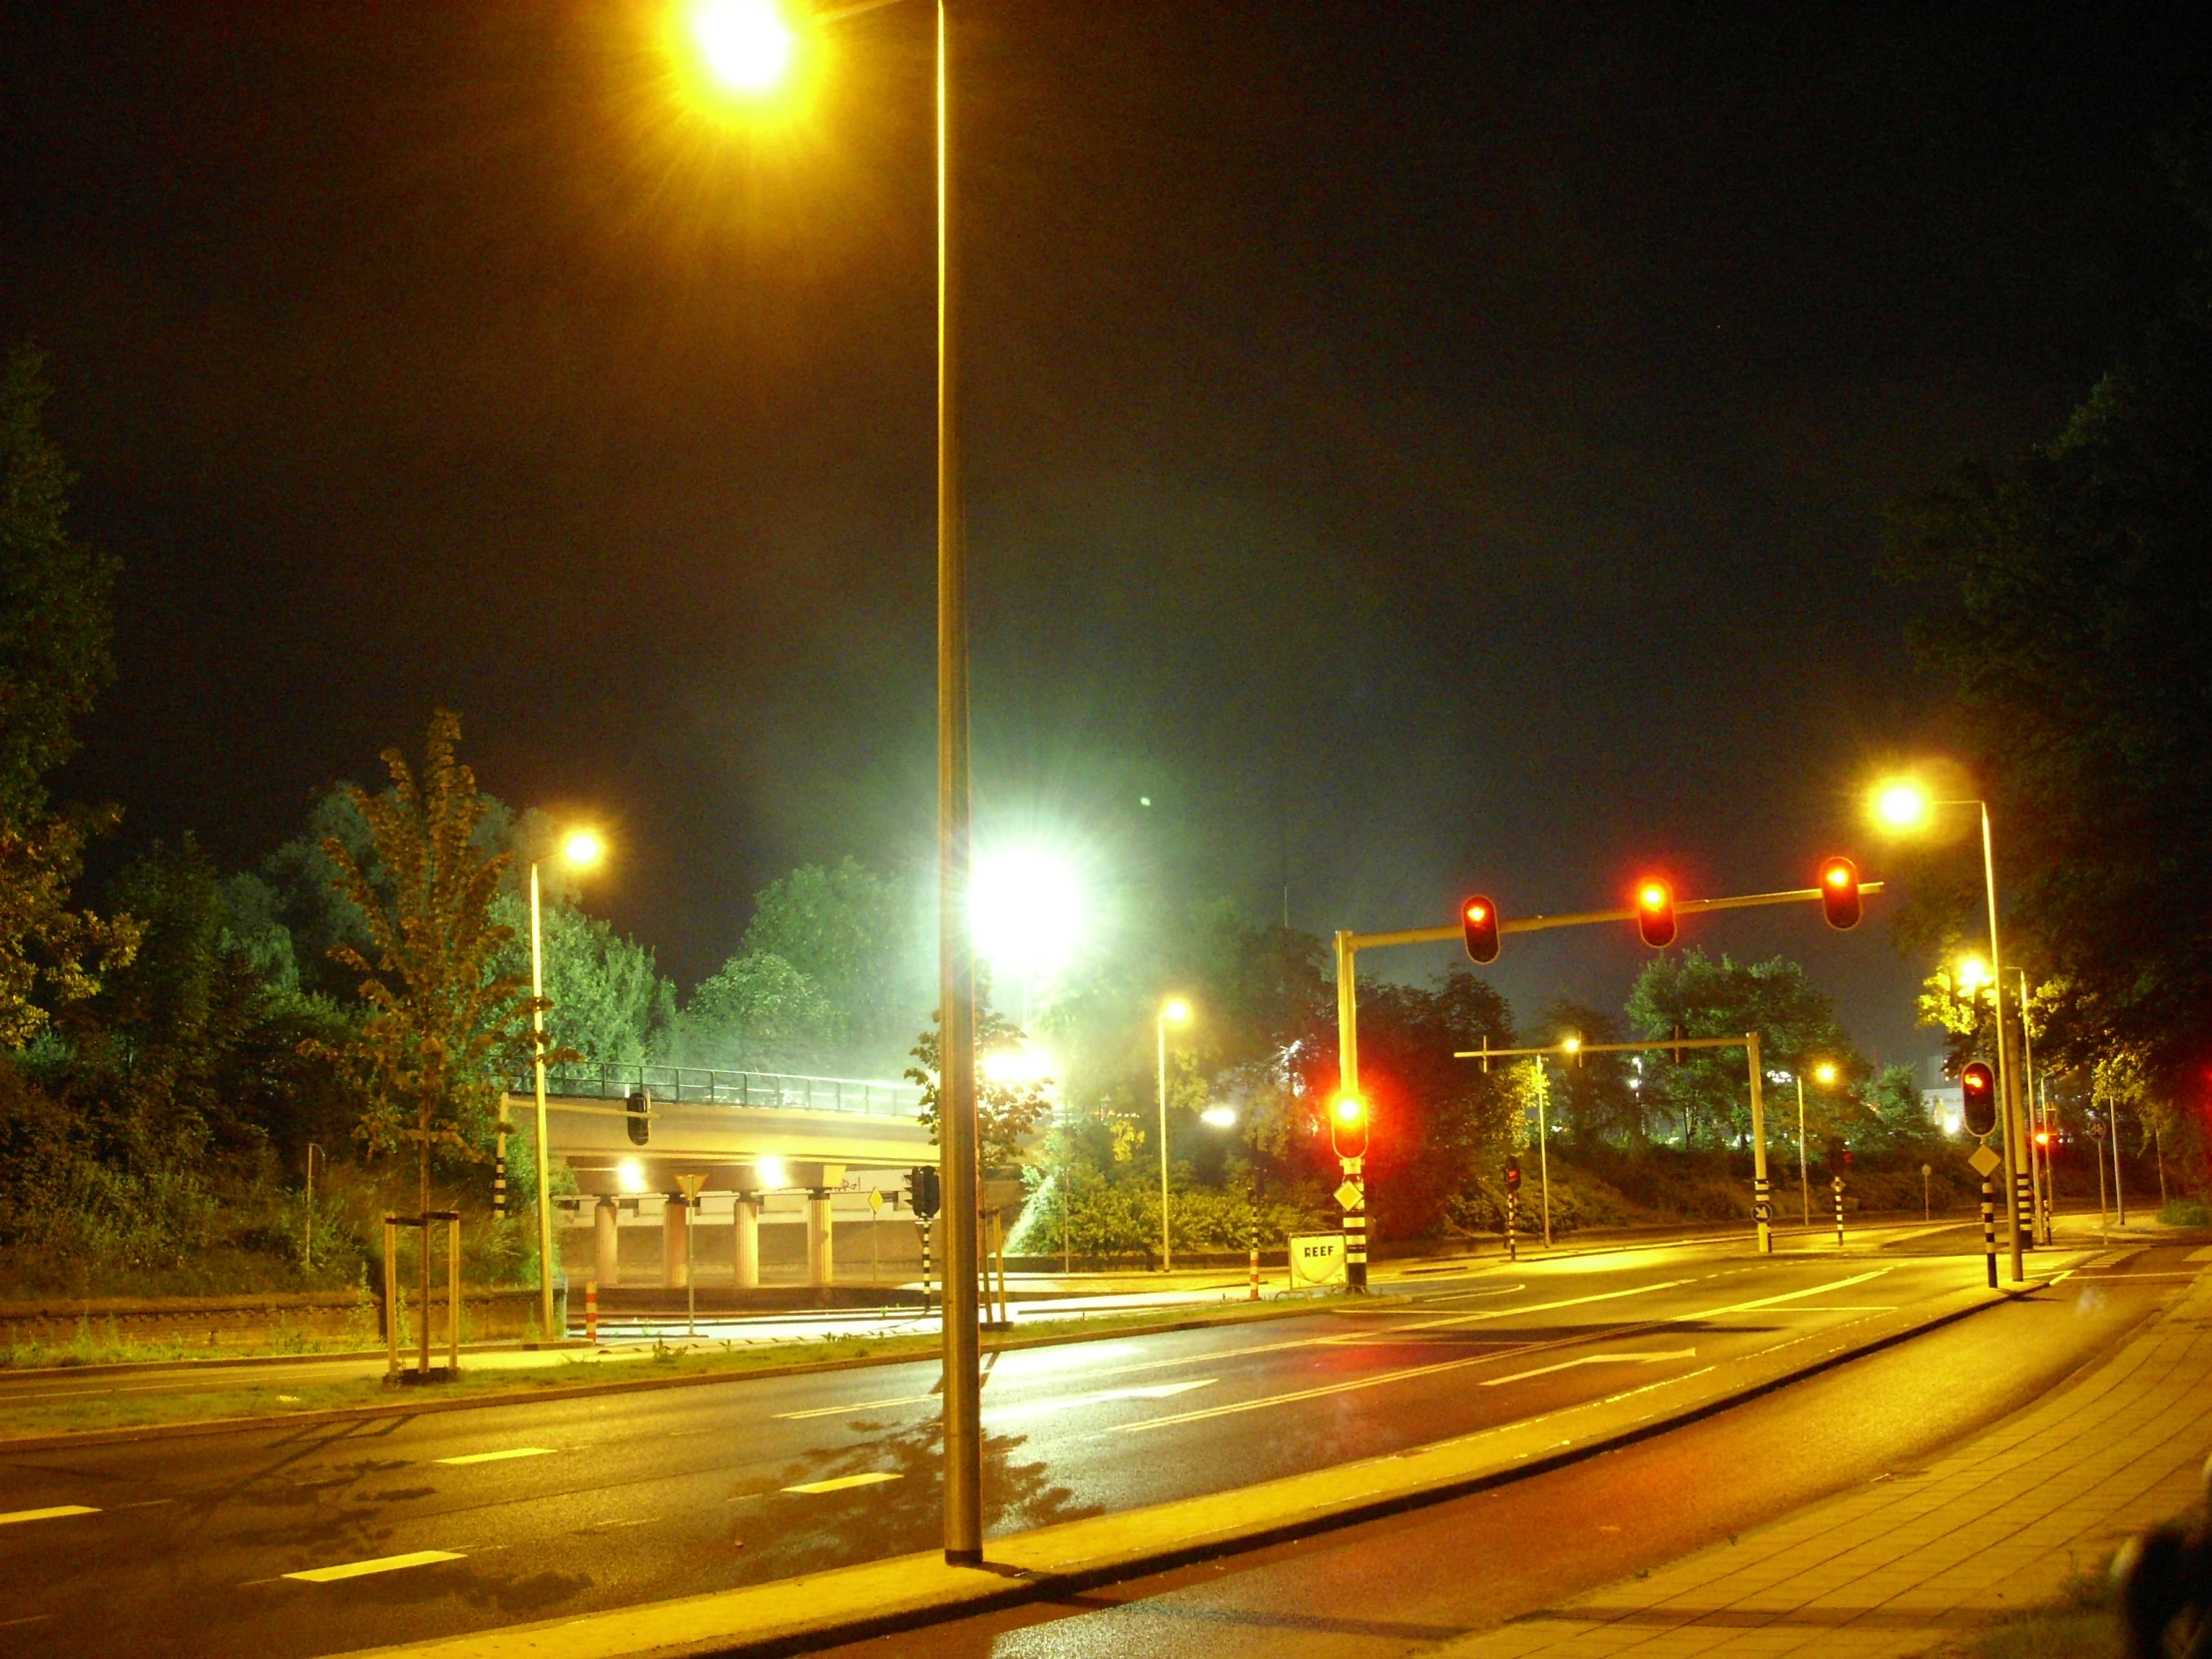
[2187, 1211]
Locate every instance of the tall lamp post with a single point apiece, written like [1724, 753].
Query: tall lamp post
[1905, 805]
[748, 46]
[1823, 1073]
[1174, 1011]
[580, 850]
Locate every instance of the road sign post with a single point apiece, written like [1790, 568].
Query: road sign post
[691, 1186]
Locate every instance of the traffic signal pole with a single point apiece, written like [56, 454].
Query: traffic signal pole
[1349, 944]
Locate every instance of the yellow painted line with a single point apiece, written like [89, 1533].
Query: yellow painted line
[1350, 1386]
[1590, 1359]
[845, 1483]
[860, 1406]
[497, 1457]
[382, 1563]
[55, 1513]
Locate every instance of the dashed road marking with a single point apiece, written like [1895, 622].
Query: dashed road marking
[498, 1456]
[845, 1483]
[382, 1563]
[858, 1406]
[1590, 1359]
[55, 1513]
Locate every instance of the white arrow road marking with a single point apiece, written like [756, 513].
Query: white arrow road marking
[1104, 1397]
[382, 1563]
[1591, 1360]
[55, 1513]
[844, 1481]
[498, 1456]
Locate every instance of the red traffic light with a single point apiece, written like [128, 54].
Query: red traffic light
[2042, 1137]
[1347, 1126]
[1840, 901]
[1655, 913]
[1479, 919]
[1978, 1084]
[1512, 1175]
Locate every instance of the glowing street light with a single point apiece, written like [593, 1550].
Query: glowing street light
[745, 45]
[1903, 804]
[1219, 1117]
[1174, 1011]
[1973, 974]
[1824, 1073]
[1026, 912]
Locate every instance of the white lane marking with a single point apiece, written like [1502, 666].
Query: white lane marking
[1538, 1307]
[1104, 1397]
[55, 1513]
[857, 1406]
[498, 1456]
[382, 1563]
[1353, 1384]
[1590, 1359]
[846, 1481]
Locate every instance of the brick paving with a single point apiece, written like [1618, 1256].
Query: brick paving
[1907, 1563]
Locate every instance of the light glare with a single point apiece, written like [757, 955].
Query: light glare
[771, 1173]
[630, 1174]
[583, 849]
[1348, 1108]
[1974, 973]
[1026, 910]
[1901, 805]
[1825, 1072]
[1176, 1011]
[746, 44]
[1219, 1117]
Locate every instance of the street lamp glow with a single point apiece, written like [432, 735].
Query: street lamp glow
[583, 849]
[1902, 804]
[1018, 1065]
[747, 45]
[771, 1173]
[1825, 1072]
[1974, 973]
[1026, 910]
[1175, 1011]
[1219, 1117]
[630, 1174]
[1571, 1043]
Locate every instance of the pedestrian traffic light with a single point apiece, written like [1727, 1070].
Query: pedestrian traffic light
[1655, 913]
[1479, 918]
[1839, 1155]
[1977, 1085]
[1347, 1126]
[1840, 901]
[921, 1190]
[1512, 1175]
[639, 1107]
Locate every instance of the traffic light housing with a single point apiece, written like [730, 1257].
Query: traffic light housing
[1479, 918]
[921, 1190]
[1655, 913]
[1512, 1175]
[639, 1109]
[1978, 1086]
[1839, 901]
[1837, 1156]
[1347, 1126]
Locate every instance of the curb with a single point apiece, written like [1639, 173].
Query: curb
[856, 1604]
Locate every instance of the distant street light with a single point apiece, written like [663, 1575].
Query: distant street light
[1903, 804]
[1174, 1011]
[580, 850]
[1823, 1073]
[1219, 1117]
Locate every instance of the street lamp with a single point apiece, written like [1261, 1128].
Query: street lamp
[1903, 805]
[963, 1382]
[745, 45]
[1824, 1074]
[1174, 1011]
[580, 850]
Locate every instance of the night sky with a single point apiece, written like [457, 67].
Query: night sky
[1421, 447]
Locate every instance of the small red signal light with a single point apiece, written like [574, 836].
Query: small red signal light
[2042, 1137]
[1978, 1088]
[1655, 913]
[1347, 1126]
[1839, 901]
[1478, 923]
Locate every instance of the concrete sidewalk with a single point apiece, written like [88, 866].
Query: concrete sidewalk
[1906, 1564]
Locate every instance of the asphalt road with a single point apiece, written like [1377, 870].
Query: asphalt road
[327, 1537]
[1399, 1585]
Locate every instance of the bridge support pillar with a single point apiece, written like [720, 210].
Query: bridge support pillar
[675, 1237]
[820, 1264]
[744, 1246]
[606, 1243]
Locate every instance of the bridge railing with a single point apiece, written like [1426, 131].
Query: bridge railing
[697, 1084]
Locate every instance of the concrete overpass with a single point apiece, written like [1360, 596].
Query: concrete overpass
[628, 1131]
